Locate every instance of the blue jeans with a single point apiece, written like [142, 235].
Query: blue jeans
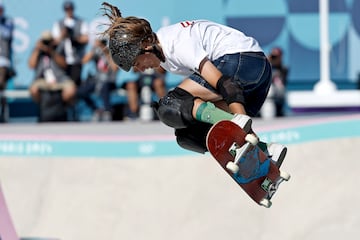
[251, 71]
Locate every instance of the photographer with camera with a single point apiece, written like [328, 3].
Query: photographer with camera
[6, 64]
[279, 80]
[72, 33]
[102, 83]
[51, 88]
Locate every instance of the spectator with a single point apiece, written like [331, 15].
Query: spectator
[279, 80]
[72, 32]
[102, 83]
[6, 66]
[155, 78]
[49, 64]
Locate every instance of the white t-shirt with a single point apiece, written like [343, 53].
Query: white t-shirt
[186, 44]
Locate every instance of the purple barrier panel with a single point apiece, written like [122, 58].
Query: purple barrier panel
[7, 230]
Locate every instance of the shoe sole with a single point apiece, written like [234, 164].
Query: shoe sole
[247, 125]
[281, 158]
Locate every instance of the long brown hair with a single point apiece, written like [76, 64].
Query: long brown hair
[138, 29]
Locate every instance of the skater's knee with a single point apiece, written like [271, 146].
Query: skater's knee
[175, 109]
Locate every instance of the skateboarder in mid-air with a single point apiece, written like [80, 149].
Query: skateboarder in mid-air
[227, 75]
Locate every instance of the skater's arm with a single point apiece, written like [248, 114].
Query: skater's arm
[212, 75]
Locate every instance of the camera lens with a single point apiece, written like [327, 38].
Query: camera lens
[46, 42]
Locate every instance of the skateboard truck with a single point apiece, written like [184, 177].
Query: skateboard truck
[238, 153]
[271, 188]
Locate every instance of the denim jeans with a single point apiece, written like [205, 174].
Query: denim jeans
[251, 71]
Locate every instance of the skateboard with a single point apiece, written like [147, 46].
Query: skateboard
[237, 152]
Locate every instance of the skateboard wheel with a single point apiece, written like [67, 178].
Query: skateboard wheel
[285, 175]
[265, 203]
[250, 138]
[232, 167]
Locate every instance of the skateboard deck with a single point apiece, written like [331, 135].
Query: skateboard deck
[246, 163]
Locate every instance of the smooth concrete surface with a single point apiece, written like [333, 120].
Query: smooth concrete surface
[186, 197]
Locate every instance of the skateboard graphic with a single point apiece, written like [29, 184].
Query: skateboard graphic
[237, 152]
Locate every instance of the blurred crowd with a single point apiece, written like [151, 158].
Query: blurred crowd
[58, 59]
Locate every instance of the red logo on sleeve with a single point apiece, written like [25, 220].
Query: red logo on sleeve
[186, 24]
